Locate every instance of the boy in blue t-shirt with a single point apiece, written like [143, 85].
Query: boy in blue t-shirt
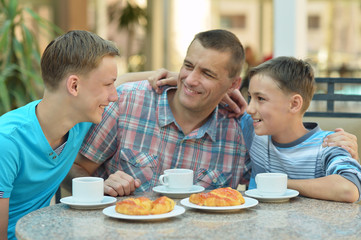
[280, 92]
[40, 141]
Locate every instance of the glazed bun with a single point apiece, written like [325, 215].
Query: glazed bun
[144, 206]
[220, 197]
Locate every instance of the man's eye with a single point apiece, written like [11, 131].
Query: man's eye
[209, 75]
[188, 66]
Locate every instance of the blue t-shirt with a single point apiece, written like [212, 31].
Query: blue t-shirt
[304, 158]
[30, 170]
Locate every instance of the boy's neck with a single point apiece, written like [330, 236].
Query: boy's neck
[292, 132]
[54, 119]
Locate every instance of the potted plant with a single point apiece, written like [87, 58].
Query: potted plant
[20, 77]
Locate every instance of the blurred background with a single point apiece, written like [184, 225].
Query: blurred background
[156, 33]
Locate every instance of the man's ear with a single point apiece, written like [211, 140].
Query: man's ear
[72, 84]
[236, 84]
[296, 103]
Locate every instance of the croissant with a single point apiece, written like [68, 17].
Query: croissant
[144, 206]
[220, 197]
[162, 205]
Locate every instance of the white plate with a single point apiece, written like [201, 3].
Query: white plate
[249, 202]
[290, 193]
[178, 194]
[107, 200]
[110, 212]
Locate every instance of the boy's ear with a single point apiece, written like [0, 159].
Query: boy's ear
[72, 85]
[296, 103]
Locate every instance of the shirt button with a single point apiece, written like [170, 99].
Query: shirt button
[214, 180]
[54, 157]
[50, 153]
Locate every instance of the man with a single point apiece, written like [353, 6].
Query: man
[144, 133]
[40, 140]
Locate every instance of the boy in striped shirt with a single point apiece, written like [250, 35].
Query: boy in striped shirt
[278, 140]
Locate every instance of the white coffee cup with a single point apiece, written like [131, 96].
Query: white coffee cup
[271, 184]
[177, 179]
[88, 189]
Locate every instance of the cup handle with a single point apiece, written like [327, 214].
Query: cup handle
[255, 179]
[163, 180]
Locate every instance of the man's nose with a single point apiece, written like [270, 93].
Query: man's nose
[192, 78]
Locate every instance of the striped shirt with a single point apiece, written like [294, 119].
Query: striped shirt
[305, 158]
[139, 135]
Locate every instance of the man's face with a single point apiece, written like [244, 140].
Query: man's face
[203, 79]
[269, 107]
[97, 90]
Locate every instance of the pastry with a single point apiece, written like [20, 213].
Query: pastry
[220, 197]
[144, 206]
[134, 206]
[162, 205]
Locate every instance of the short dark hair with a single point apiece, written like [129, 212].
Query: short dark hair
[291, 74]
[76, 52]
[223, 40]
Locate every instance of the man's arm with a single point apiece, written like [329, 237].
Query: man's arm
[333, 187]
[118, 183]
[4, 216]
[343, 139]
[133, 77]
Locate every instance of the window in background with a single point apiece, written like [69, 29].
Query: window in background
[233, 21]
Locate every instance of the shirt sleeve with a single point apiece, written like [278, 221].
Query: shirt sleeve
[338, 161]
[246, 123]
[9, 165]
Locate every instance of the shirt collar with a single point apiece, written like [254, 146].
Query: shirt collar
[165, 117]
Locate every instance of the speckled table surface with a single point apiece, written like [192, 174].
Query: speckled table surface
[298, 218]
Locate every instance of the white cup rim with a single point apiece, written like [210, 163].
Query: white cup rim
[87, 178]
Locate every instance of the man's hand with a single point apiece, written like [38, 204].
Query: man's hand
[342, 139]
[162, 77]
[120, 183]
[235, 103]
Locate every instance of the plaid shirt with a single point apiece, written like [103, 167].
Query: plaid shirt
[139, 135]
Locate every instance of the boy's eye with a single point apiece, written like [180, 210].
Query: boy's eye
[261, 99]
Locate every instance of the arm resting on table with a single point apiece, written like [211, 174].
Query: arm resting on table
[117, 184]
[333, 187]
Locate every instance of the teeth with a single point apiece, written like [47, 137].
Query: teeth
[258, 120]
[190, 90]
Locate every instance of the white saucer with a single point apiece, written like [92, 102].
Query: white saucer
[110, 212]
[290, 193]
[107, 200]
[249, 202]
[178, 194]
